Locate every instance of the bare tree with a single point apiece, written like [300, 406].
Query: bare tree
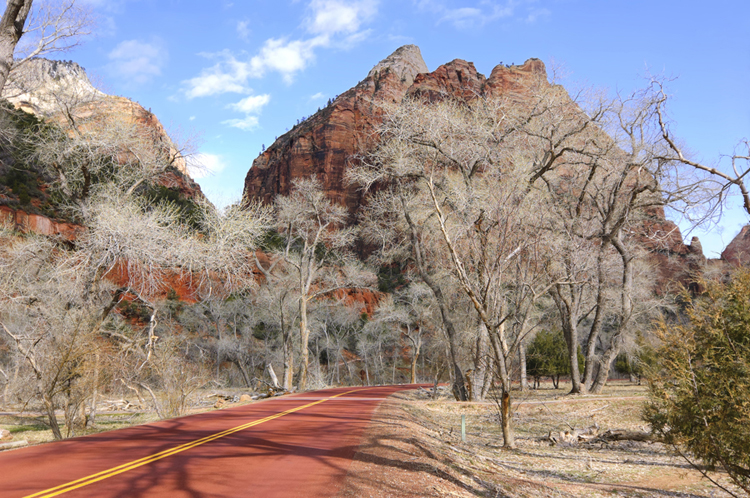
[315, 254]
[46, 27]
[412, 311]
[395, 223]
[724, 176]
[474, 193]
[608, 184]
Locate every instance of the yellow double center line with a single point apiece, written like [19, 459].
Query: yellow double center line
[99, 476]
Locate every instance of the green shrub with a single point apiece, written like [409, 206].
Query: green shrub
[700, 385]
[547, 356]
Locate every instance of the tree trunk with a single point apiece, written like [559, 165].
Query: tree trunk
[567, 303]
[591, 362]
[243, 372]
[91, 419]
[288, 352]
[414, 358]
[5, 388]
[459, 388]
[416, 347]
[508, 438]
[11, 29]
[626, 312]
[51, 417]
[304, 333]
[482, 376]
[274, 379]
[522, 361]
[505, 384]
[575, 375]
[604, 367]
[489, 376]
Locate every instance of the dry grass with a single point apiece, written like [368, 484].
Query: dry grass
[414, 448]
[34, 429]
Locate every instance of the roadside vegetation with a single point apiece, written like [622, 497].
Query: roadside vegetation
[414, 448]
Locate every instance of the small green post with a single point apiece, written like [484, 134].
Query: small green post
[463, 428]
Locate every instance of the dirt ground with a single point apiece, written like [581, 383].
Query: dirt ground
[413, 448]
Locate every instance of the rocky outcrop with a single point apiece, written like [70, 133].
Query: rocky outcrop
[326, 143]
[40, 86]
[323, 144]
[18, 219]
[60, 91]
[737, 253]
[49, 89]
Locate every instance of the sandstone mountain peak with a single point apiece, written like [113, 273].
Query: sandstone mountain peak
[44, 87]
[405, 61]
[39, 85]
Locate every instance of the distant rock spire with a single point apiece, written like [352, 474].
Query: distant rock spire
[406, 62]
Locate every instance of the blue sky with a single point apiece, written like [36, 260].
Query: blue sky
[240, 73]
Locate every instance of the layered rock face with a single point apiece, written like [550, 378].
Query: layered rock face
[46, 88]
[324, 144]
[737, 252]
[39, 86]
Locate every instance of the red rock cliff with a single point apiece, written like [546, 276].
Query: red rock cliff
[324, 144]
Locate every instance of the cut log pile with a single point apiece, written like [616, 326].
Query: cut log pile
[113, 405]
[591, 435]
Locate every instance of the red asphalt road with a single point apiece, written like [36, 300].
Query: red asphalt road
[304, 453]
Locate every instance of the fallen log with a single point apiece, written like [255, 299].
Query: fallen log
[13, 444]
[625, 435]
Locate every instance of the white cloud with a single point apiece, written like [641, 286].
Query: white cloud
[231, 75]
[317, 96]
[203, 164]
[243, 30]
[330, 17]
[252, 104]
[227, 76]
[248, 123]
[192, 118]
[482, 12]
[137, 61]
[330, 23]
[537, 14]
[285, 57]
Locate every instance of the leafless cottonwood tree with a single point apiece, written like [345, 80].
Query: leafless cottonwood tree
[46, 27]
[395, 222]
[481, 170]
[316, 254]
[339, 324]
[728, 173]
[608, 184]
[411, 312]
[476, 196]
